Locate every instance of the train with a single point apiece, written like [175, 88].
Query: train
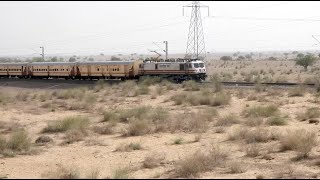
[174, 70]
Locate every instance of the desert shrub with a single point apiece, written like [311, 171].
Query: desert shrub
[139, 112]
[138, 128]
[258, 135]
[178, 141]
[217, 85]
[299, 140]
[90, 99]
[109, 116]
[297, 91]
[227, 120]
[253, 150]
[72, 122]
[277, 121]
[79, 106]
[310, 113]
[147, 81]
[153, 160]
[19, 141]
[260, 87]
[179, 98]
[220, 99]
[238, 133]
[159, 117]
[107, 129]
[63, 172]
[4, 98]
[22, 96]
[190, 86]
[220, 129]
[71, 94]
[209, 114]
[3, 144]
[254, 121]
[188, 123]
[122, 173]
[261, 111]
[142, 90]
[191, 166]
[236, 167]
[158, 114]
[99, 85]
[74, 135]
[128, 147]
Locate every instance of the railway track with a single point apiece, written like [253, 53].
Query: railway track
[265, 84]
[62, 82]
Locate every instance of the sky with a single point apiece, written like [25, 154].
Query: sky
[124, 27]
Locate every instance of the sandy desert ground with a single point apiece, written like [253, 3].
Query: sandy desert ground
[164, 130]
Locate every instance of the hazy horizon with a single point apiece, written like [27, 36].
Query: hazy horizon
[120, 27]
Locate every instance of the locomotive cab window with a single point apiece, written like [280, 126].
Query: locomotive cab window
[182, 67]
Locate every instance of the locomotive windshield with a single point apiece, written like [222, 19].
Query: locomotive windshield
[198, 65]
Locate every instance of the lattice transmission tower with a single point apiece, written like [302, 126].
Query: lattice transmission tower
[195, 45]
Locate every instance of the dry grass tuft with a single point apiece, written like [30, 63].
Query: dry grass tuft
[301, 140]
[190, 86]
[63, 172]
[199, 162]
[276, 121]
[310, 113]
[261, 111]
[68, 123]
[121, 173]
[153, 160]
[297, 91]
[227, 120]
[237, 167]
[253, 150]
[128, 147]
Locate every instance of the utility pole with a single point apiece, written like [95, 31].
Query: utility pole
[195, 43]
[42, 52]
[166, 42]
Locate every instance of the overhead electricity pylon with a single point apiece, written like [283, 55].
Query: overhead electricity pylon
[195, 45]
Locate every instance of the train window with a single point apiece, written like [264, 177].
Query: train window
[67, 69]
[201, 65]
[182, 67]
[118, 69]
[98, 69]
[190, 66]
[196, 65]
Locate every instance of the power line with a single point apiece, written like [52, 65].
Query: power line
[264, 19]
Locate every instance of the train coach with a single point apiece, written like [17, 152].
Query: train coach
[109, 70]
[13, 70]
[52, 70]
